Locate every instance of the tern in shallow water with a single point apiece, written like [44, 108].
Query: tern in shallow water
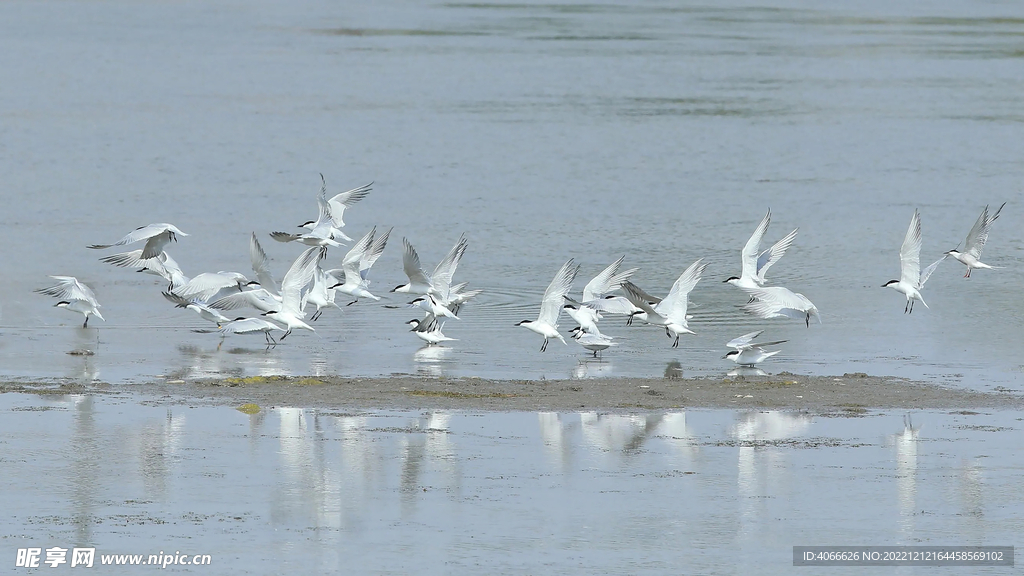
[670, 313]
[74, 296]
[746, 353]
[546, 323]
[429, 330]
[976, 238]
[593, 342]
[912, 279]
[156, 236]
[755, 265]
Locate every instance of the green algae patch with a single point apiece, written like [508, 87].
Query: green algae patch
[275, 380]
[249, 408]
[463, 395]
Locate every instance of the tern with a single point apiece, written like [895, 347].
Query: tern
[74, 296]
[670, 313]
[976, 238]
[587, 312]
[779, 302]
[429, 330]
[912, 279]
[433, 306]
[156, 236]
[351, 278]
[755, 265]
[251, 326]
[204, 311]
[322, 231]
[593, 342]
[161, 265]
[338, 203]
[546, 323]
[747, 353]
[210, 286]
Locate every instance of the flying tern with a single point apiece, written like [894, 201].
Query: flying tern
[156, 236]
[779, 302]
[161, 265]
[746, 353]
[210, 286]
[74, 296]
[754, 264]
[251, 326]
[322, 231]
[338, 203]
[204, 311]
[976, 238]
[546, 323]
[351, 278]
[670, 313]
[587, 312]
[912, 279]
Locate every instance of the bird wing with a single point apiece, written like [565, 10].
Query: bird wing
[203, 285]
[341, 201]
[646, 297]
[140, 233]
[743, 342]
[978, 235]
[910, 253]
[298, 279]
[131, 259]
[776, 301]
[411, 265]
[674, 305]
[774, 254]
[69, 288]
[373, 253]
[611, 305]
[551, 304]
[259, 299]
[927, 273]
[748, 256]
[637, 298]
[609, 280]
[350, 264]
[441, 279]
[261, 265]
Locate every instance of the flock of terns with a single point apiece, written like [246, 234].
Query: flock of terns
[283, 307]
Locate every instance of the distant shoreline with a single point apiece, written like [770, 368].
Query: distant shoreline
[847, 395]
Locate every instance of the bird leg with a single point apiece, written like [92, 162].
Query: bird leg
[968, 275]
[907, 307]
[807, 320]
[676, 343]
[285, 335]
[911, 306]
[86, 323]
[352, 302]
[544, 346]
[595, 353]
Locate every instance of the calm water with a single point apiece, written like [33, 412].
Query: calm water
[711, 492]
[659, 130]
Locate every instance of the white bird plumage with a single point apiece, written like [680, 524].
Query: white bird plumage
[779, 302]
[74, 296]
[975, 242]
[754, 264]
[746, 353]
[912, 279]
[546, 323]
[156, 236]
[670, 313]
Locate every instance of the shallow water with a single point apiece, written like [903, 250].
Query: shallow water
[718, 492]
[543, 131]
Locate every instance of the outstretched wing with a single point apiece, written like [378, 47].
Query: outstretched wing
[773, 254]
[609, 280]
[674, 305]
[69, 288]
[411, 265]
[928, 271]
[261, 265]
[554, 296]
[978, 235]
[749, 254]
[910, 253]
[743, 342]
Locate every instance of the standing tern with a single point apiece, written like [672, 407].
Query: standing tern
[593, 342]
[755, 265]
[976, 238]
[156, 236]
[746, 353]
[779, 302]
[912, 279]
[546, 323]
[74, 296]
[670, 313]
[429, 330]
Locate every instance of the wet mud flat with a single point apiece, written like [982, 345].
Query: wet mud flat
[849, 394]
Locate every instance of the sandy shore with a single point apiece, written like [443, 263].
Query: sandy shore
[849, 395]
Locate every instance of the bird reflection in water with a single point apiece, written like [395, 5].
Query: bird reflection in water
[746, 371]
[591, 368]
